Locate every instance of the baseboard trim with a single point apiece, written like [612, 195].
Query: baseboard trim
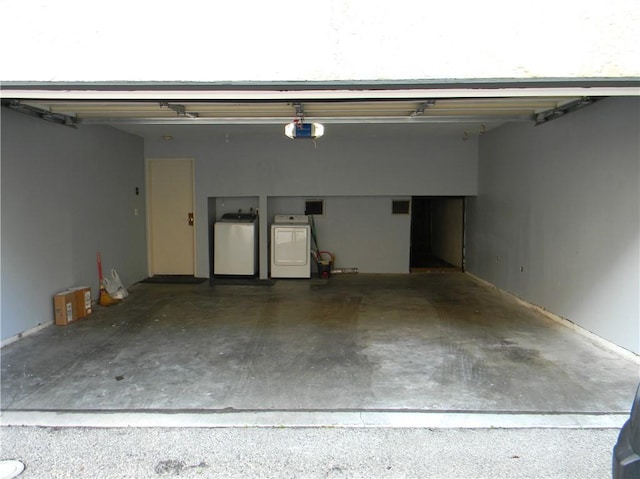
[605, 343]
[24, 334]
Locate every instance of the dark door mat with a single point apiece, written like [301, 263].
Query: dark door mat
[226, 281]
[173, 279]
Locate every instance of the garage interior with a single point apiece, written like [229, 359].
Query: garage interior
[547, 187]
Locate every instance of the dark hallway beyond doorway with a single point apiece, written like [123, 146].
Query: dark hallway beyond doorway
[437, 234]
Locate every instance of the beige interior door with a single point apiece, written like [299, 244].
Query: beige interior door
[171, 229]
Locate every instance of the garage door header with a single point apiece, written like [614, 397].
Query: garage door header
[308, 91]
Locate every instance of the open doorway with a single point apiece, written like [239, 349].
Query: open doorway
[437, 233]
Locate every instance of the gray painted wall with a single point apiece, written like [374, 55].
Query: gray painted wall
[562, 201]
[356, 161]
[66, 193]
[362, 233]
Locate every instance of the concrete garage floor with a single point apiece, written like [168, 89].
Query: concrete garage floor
[421, 342]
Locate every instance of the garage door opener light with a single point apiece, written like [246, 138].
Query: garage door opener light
[299, 130]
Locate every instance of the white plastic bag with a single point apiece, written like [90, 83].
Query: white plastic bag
[114, 286]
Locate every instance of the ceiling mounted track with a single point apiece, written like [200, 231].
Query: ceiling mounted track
[324, 119]
[42, 113]
[179, 109]
[487, 110]
[555, 113]
[422, 107]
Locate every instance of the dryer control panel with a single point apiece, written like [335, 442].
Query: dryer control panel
[291, 219]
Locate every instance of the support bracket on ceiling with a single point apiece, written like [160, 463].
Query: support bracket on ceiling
[43, 114]
[179, 109]
[299, 111]
[419, 111]
[562, 110]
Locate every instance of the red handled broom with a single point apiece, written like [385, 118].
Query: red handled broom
[105, 298]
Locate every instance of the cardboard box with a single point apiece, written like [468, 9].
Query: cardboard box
[83, 301]
[64, 304]
[72, 304]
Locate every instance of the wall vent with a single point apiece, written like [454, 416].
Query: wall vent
[400, 207]
[313, 207]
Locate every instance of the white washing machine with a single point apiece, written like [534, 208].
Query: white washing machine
[291, 247]
[235, 244]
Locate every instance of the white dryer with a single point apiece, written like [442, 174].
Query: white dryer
[291, 247]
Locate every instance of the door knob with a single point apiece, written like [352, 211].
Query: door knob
[190, 219]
